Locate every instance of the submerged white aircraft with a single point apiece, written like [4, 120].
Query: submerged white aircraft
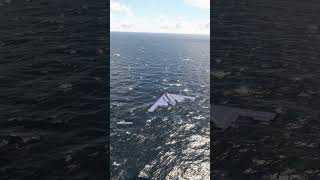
[221, 116]
[171, 99]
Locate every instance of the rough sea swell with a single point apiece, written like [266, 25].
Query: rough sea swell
[53, 89]
[171, 143]
[266, 57]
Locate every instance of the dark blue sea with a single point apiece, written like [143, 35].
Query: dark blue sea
[266, 57]
[53, 95]
[170, 143]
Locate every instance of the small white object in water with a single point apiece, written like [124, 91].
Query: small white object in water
[124, 122]
[199, 117]
[165, 119]
[118, 55]
[175, 84]
[186, 90]
[115, 163]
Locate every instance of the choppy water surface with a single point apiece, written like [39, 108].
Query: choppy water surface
[53, 93]
[266, 57]
[171, 143]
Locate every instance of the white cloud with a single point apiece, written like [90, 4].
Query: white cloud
[179, 25]
[118, 7]
[180, 18]
[207, 26]
[164, 27]
[162, 18]
[161, 24]
[202, 4]
[126, 26]
[168, 25]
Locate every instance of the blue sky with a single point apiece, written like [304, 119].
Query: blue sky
[169, 16]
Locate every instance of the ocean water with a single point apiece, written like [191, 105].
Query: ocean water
[171, 143]
[53, 93]
[266, 57]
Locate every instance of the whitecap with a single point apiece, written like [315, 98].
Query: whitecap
[115, 163]
[199, 117]
[175, 84]
[124, 122]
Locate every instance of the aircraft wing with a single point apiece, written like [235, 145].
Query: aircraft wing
[162, 102]
[181, 98]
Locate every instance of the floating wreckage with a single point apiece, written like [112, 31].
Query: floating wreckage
[224, 117]
[171, 99]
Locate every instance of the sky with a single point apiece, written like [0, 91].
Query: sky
[160, 16]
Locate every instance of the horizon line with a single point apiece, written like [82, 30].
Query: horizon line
[160, 32]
